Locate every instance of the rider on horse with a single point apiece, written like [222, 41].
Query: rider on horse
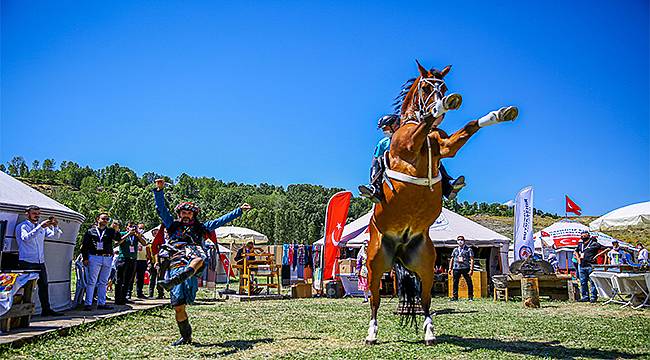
[373, 191]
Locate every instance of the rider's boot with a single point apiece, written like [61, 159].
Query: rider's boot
[456, 186]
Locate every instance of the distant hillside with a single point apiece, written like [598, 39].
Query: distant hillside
[504, 225]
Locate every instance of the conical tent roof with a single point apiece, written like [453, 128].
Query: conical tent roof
[631, 216]
[16, 196]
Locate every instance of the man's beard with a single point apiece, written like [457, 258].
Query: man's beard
[186, 220]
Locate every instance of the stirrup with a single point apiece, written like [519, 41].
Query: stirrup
[368, 193]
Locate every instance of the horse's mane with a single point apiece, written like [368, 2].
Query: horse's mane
[402, 99]
[399, 99]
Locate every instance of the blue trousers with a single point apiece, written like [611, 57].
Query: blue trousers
[585, 281]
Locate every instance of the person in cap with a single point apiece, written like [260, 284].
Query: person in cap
[373, 191]
[186, 234]
[461, 263]
[587, 254]
[30, 236]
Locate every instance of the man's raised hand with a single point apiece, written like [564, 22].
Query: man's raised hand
[246, 207]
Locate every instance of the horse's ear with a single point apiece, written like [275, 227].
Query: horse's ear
[445, 71]
[424, 72]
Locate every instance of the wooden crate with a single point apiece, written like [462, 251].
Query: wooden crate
[479, 280]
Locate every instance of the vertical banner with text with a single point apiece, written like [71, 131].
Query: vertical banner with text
[523, 236]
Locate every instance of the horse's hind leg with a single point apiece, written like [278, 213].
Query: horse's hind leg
[378, 263]
[423, 265]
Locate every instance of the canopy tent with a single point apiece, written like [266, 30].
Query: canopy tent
[631, 216]
[14, 198]
[564, 234]
[443, 233]
[239, 235]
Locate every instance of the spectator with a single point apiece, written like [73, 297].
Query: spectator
[154, 267]
[140, 264]
[126, 262]
[588, 252]
[113, 278]
[362, 271]
[97, 254]
[462, 263]
[616, 256]
[30, 236]
[642, 256]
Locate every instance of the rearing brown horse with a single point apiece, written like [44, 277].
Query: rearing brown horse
[399, 227]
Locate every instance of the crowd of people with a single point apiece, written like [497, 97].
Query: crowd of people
[116, 258]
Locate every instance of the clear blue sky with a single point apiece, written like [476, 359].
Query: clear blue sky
[289, 92]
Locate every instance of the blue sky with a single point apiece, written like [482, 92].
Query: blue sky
[289, 92]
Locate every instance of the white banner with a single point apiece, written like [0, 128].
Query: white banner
[523, 235]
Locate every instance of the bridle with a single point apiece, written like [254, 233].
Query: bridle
[426, 103]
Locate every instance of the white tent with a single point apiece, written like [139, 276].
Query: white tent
[564, 234]
[239, 235]
[443, 233]
[631, 216]
[14, 198]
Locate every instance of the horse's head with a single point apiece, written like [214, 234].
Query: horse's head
[419, 95]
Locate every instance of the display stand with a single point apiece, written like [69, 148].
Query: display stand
[250, 269]
[22, 308]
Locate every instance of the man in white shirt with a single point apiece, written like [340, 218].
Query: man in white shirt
[30, 236]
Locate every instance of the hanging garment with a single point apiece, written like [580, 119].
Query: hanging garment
[291, 255]
[309, 260]
[295, 256]
[285, 254]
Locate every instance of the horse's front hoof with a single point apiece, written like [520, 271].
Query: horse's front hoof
[371, 342]
[452, 101]
[509, 113]
[430, 342]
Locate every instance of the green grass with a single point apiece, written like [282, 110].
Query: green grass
[332, 329]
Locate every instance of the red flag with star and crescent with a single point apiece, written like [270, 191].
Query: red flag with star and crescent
[335, 218]
[572, 207]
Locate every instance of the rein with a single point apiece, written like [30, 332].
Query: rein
[425, 105]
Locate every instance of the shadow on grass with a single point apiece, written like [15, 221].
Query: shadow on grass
[242, 345]
[453, 311]
[234, 345]
[550, 349]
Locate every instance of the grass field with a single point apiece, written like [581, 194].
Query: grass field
[331, 329]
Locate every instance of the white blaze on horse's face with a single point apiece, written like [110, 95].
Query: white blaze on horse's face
[426, 102]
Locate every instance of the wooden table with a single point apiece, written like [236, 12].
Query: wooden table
[554, 286]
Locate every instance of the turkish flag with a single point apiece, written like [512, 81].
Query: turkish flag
[158, 240]
[226, 265]
[572, 207]
[335, 218]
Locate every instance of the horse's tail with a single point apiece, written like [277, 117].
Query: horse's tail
[408, 290]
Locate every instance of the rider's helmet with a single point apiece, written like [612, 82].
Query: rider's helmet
[187, 206]
[387, 120]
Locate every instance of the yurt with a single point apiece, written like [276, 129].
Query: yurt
[14, 198]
